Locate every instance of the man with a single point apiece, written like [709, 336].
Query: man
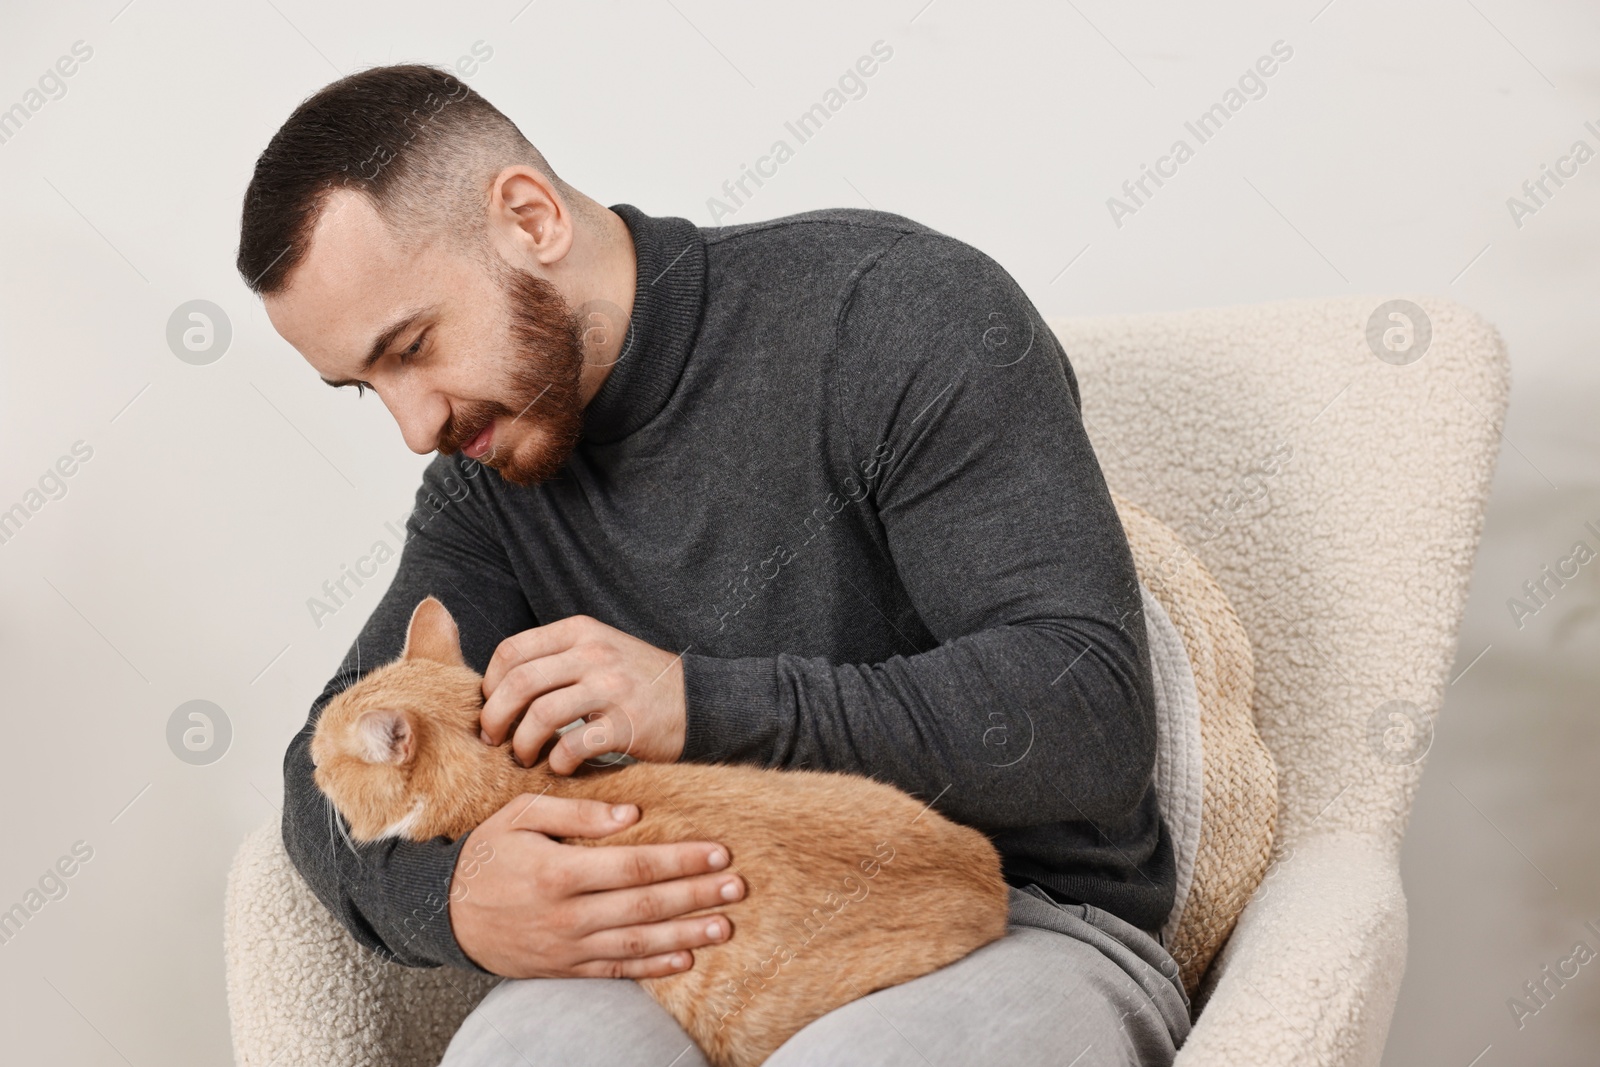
[810, 492]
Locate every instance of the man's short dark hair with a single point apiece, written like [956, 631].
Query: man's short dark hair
[416, 140]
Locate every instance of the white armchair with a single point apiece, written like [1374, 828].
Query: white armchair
[1347, 562]
[1348, 565]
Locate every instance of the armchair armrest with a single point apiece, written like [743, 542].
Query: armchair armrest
[1311, 972]
[301, 990]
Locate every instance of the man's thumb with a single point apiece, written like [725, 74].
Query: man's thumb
[569, 816]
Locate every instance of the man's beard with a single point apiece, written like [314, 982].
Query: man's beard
[544, 391]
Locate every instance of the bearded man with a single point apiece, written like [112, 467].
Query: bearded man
[808, 492]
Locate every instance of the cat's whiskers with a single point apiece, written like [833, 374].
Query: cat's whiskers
[335, 819]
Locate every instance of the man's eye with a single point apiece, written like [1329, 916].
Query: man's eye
[416, 347]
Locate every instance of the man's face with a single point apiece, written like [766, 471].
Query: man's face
[477, 351]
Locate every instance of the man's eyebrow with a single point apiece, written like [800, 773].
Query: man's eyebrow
[381, 343]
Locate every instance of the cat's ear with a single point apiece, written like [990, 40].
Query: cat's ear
[433, 635]
[385, 736]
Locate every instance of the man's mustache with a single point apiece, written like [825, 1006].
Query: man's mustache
[453, 440]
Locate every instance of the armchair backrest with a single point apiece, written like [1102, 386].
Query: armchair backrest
[1328, 461]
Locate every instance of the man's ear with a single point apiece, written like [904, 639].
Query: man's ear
[432, 634]
[385, 736]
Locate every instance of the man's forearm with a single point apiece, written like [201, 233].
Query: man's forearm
[1012, 726]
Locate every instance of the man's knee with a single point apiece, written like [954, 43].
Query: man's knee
[1027, 998]
[569, 1021]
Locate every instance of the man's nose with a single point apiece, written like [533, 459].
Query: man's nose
[421, 415]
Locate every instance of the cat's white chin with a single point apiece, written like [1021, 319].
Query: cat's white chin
[403, 826]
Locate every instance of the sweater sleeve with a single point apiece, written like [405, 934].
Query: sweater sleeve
[1037, 704]
[393, 896]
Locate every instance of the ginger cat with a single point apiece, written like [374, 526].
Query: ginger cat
[851, 884]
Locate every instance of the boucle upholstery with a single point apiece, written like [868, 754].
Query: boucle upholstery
[1347, 563]
[1337, 497]
[302, 991]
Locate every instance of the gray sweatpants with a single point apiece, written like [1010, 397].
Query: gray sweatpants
[1069, 984]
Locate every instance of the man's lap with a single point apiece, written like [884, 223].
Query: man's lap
[1067, 984]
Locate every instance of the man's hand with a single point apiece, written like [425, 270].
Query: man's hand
[524, 906]
[579, 668]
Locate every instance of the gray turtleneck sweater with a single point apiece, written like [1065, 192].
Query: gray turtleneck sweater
[841, 463]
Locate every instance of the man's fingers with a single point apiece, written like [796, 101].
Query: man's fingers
[548, 714]
[518, 649]
[652, 967]
[610, 731]
[627, 868]
[567, 816]
[520, 686]
[596, 912]
[656, 939]
[552, 714]
[540, 641]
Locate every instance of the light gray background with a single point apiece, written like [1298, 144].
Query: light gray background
[220, 497]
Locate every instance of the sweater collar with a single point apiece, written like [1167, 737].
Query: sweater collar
[668, 299]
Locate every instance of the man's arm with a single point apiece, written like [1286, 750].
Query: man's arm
[525, 903]
[393, 895]
[1037, 705]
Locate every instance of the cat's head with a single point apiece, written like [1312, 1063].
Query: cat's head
[398, 752]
